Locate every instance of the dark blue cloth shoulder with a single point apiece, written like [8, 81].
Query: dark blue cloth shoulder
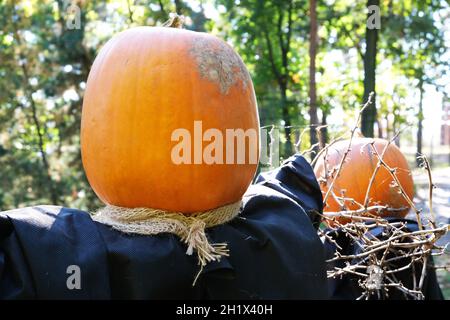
[275, 252]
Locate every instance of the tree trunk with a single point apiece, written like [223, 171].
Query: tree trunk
[313, 118]
[287, 121]
[324, 132]
[178, 6]
[419, 122]
[370, 57]
[380, 128]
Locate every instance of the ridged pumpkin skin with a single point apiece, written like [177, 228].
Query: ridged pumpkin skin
[145, 83]
[357, 172]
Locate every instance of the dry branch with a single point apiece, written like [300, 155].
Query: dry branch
[379, 261]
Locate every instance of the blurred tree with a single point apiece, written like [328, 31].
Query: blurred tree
[49, 62]
[370, 63]
[412, 39]
[416, 43]
[270, 35]
[45, 57]
[313, 39]
[340, 57]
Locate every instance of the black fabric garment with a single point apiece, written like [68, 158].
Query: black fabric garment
[275, 252]
[347, 286]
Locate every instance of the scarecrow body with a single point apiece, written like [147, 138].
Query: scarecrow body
[275, 253]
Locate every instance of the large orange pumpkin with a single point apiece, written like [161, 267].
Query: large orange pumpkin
[146, 83]
[356, 173]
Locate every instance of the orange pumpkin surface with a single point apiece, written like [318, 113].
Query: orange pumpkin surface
[146, 83]
[356, 173]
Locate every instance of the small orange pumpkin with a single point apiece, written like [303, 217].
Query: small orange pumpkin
[146, 83]
[356, 173]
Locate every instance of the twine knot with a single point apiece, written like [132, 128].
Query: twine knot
[195, 236]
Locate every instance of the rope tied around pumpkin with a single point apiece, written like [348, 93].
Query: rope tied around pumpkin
[190, 228]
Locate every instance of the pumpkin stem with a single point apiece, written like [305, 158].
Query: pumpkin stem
[175, 21]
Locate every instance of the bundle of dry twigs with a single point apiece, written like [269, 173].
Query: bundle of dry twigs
[377, 261]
